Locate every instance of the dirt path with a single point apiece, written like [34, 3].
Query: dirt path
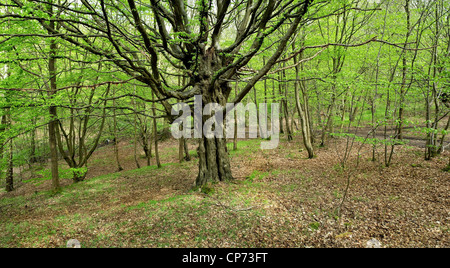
[411, 137]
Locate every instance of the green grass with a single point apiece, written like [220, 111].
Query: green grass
[257, 175]
[175, 219]
[45, 175]
[245, 147]
[155, 204]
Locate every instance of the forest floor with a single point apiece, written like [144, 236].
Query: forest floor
[278, 199]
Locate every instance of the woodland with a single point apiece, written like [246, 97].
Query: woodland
[88, 88]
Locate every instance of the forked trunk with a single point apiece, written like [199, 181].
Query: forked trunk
[214, 163]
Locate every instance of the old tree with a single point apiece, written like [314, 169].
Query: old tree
[139, 37]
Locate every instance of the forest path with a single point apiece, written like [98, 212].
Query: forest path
[411, 136]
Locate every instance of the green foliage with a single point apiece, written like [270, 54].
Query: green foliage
[79, 172]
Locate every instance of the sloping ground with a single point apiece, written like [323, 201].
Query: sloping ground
[279, 199]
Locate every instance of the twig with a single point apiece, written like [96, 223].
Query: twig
[374, 39]
[73, 86]
[298, 63]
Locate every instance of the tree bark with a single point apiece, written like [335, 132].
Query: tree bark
[155, 133]
[286, 107]
[10, 169]
[33, 158]
[329, 120]
[9, 166]
[52, 126]
[115, 139]
[441, 146]
[404, 69]
[136, 159]
[235, 140]
[280, 92]
[257, 110]
[2, 144]
[181, 150]
[303, 116]
[214, 163]
[187, 156]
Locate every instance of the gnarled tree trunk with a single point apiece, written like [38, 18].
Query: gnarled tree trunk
[214, 163]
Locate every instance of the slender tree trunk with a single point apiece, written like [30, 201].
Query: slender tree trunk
[235, 138]
[303, 117]
[136, 160]
[280, 92]
[344, 109]
[428, 124]
[33, 158]
[386, 119]
[181, 141]
[150, 141]
[388, 154]
[6, 124]
[115, 139]
[181, 150]
[293, 121]
[116, 143]
[431, 140]
[432, 149]
[187, 156]
[265, 83]
[145, 140]
[257, 111]
[9, 146]
[329, 120]
[441, 145]
[10, 168]
[309, 121]
[53, 125]
[404, 69]
[155, 132]
[286, 112]
[374, 98]
[330, 116]
[2, 141]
